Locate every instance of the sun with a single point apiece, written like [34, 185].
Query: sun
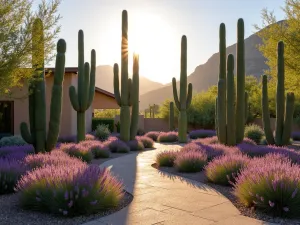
[154, 40]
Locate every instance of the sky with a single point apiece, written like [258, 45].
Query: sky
[155, 30]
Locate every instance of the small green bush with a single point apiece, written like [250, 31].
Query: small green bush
[107, 121]
[102, 132]
[254, 132]
[12, 141]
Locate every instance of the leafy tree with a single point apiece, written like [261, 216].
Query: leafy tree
[273, 31]
[106, 113]
[16, 19]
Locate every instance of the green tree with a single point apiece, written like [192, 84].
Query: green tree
[273, 31]
[16, 19]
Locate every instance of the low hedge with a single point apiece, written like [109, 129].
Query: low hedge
[107, 121]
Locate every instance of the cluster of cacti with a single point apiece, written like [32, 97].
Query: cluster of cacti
[129, 90]
[82, 100]
[231, 112]
[184, 101]
[37, 136]
[152, 111]
[284, 111]
[171, 117]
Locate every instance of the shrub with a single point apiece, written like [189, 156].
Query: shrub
[249, 141]
[153, 135]
[54, 158]
[166, 158]
[223, 169]
[202, 134]
[105, 121]
[70, 190]
[147, 142]
[17, 152]
[207, 141]
[192, 147]
[98, 149]
[135, 145]
[78, 150]
[171, 136]
[271, 186]
[254, 132]
[215, 150]
[190, 161]
[12, 141]
[116, 145]
[90, 137]
[102, 132]
[67, 139]
[140, 132]
[10, 173]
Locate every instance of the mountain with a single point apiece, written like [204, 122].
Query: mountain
[104, 80]
[206, 75]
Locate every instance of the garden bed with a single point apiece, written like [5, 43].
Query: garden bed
[227, 192]
[12, 213]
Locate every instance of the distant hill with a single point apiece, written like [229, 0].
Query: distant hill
[206, 75]
[104, 80]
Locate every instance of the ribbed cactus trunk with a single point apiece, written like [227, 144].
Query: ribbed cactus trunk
[123, 98]
[185, 96]
[37, 99]
[82, 100]
[284, 111]
[230, 117]
[134, 97]
[171, 117]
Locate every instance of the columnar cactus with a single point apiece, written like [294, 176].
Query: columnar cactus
[135, 98]
[82, 100]
[284, 112]
[37, 99]
[124, 98]
[171, 117]
[185, 96]
[230, 112]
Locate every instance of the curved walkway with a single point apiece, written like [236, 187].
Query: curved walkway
[160, 200]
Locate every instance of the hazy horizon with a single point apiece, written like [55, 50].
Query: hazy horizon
[155, 30]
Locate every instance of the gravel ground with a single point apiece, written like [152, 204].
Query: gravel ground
[227, 192]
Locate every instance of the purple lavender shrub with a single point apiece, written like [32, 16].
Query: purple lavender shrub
[71, 190]
[80, 151]
[147, 142]
[249, 141]
[202, 134]
[166, 158]
[168, 137]
[190, 161]
[10, 172]
[153, 135]
[135, 145]
[271, 185]
[17, 152]
[207, 141]
[116, 145]
[223, 169]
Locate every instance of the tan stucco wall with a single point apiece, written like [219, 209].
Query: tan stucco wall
[102, 101]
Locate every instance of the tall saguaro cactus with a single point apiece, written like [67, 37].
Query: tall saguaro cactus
[230, 112]
[185, 99]
[37, 99]
[135, 98]
[82, 100]
[123, 98]
[284, 116]
[171, 117]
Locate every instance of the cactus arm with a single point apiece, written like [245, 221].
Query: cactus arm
[183, 72]
[25, 133]
[246, 107]
[231, 139]
[56, 98]
[216, 117]
[177, 103]
[189, 96]
[124, 60]
[80, 68]
[171, 116]
[221, 109]
[74, 98]
[134, 98]
[240, 103]
[280, 92]
[92, 79]
[222, 50]
[129, 83]
[288, 122]
[86, 85]
[116, 84]
[266, 112]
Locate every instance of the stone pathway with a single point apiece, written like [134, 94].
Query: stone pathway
[162, 200]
